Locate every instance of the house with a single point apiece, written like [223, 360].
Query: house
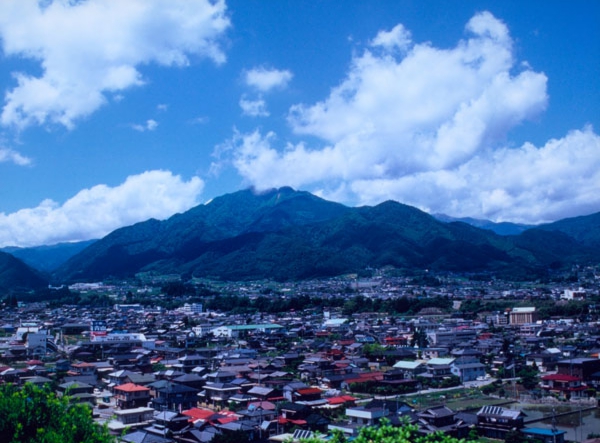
[168, 423]
[133, 418]
[189, 362]
[439, 368]
[85, 369]
[441, 418]
[130, 395]
[545, 360]
[190, 380]
[565, 386]
[496, 422]
[468, 371]
[144, 436]
[396, 378]
[366, 415]
[73, 387]
[410, 368]
[175, 396]
[118, 377]
[308, 394]
[218, 393]
[579, 367]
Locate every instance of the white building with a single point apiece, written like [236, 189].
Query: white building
[194, 308]
[573, 294]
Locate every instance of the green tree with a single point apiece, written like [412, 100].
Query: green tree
[419, 338]
[35, 415]
[529, 377]
[390, 434]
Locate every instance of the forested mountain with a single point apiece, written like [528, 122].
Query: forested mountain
[16, 275]
[585, 229]
[286, 234]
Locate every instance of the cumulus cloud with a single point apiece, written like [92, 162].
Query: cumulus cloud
[83, 60]
[9, 155]
[397, 38]
[95, 212]
[428, 126]
[264, 79]
[150, 125]
[528, 184]
[254, 108]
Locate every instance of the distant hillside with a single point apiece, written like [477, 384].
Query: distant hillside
[286, 234]
[48, 258]
[584, 229]
[16, 275]
[502, 228]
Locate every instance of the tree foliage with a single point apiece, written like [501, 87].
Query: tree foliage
[386, 433]
[35, 415]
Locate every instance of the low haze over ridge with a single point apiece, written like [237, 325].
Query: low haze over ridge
[468, 109]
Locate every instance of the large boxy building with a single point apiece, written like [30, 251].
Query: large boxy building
[522, 316]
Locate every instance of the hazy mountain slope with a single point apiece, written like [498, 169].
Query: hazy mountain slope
[48, 258]
[16, 275]
[502, 228]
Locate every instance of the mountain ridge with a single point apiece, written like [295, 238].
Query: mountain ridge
[288, 234]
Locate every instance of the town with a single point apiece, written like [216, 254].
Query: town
[164, 360]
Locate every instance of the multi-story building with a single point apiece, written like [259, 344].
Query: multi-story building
[521, 316]
[131, 395]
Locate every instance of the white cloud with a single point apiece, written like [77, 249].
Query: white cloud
[9, 155]
[264, 79]
[200, 120]
[150, 125]
[428, 127]
[254, 108]
[397, 38]
[90, 49]
[529, 184]
[95, 212]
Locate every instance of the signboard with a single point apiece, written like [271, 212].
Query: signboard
[98, 329]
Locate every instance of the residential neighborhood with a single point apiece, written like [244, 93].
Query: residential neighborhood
[190, 373]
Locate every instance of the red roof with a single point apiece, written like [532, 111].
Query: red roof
[309, 391]
[82, 365]
[366, 376]
[131, 387]
[561, 377]
[283, 420]
[198, 414]
[341, 399]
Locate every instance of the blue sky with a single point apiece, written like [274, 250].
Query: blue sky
[117, 111]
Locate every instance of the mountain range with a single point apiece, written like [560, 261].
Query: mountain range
[286, 234]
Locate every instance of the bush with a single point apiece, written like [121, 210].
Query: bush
[36, 415]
